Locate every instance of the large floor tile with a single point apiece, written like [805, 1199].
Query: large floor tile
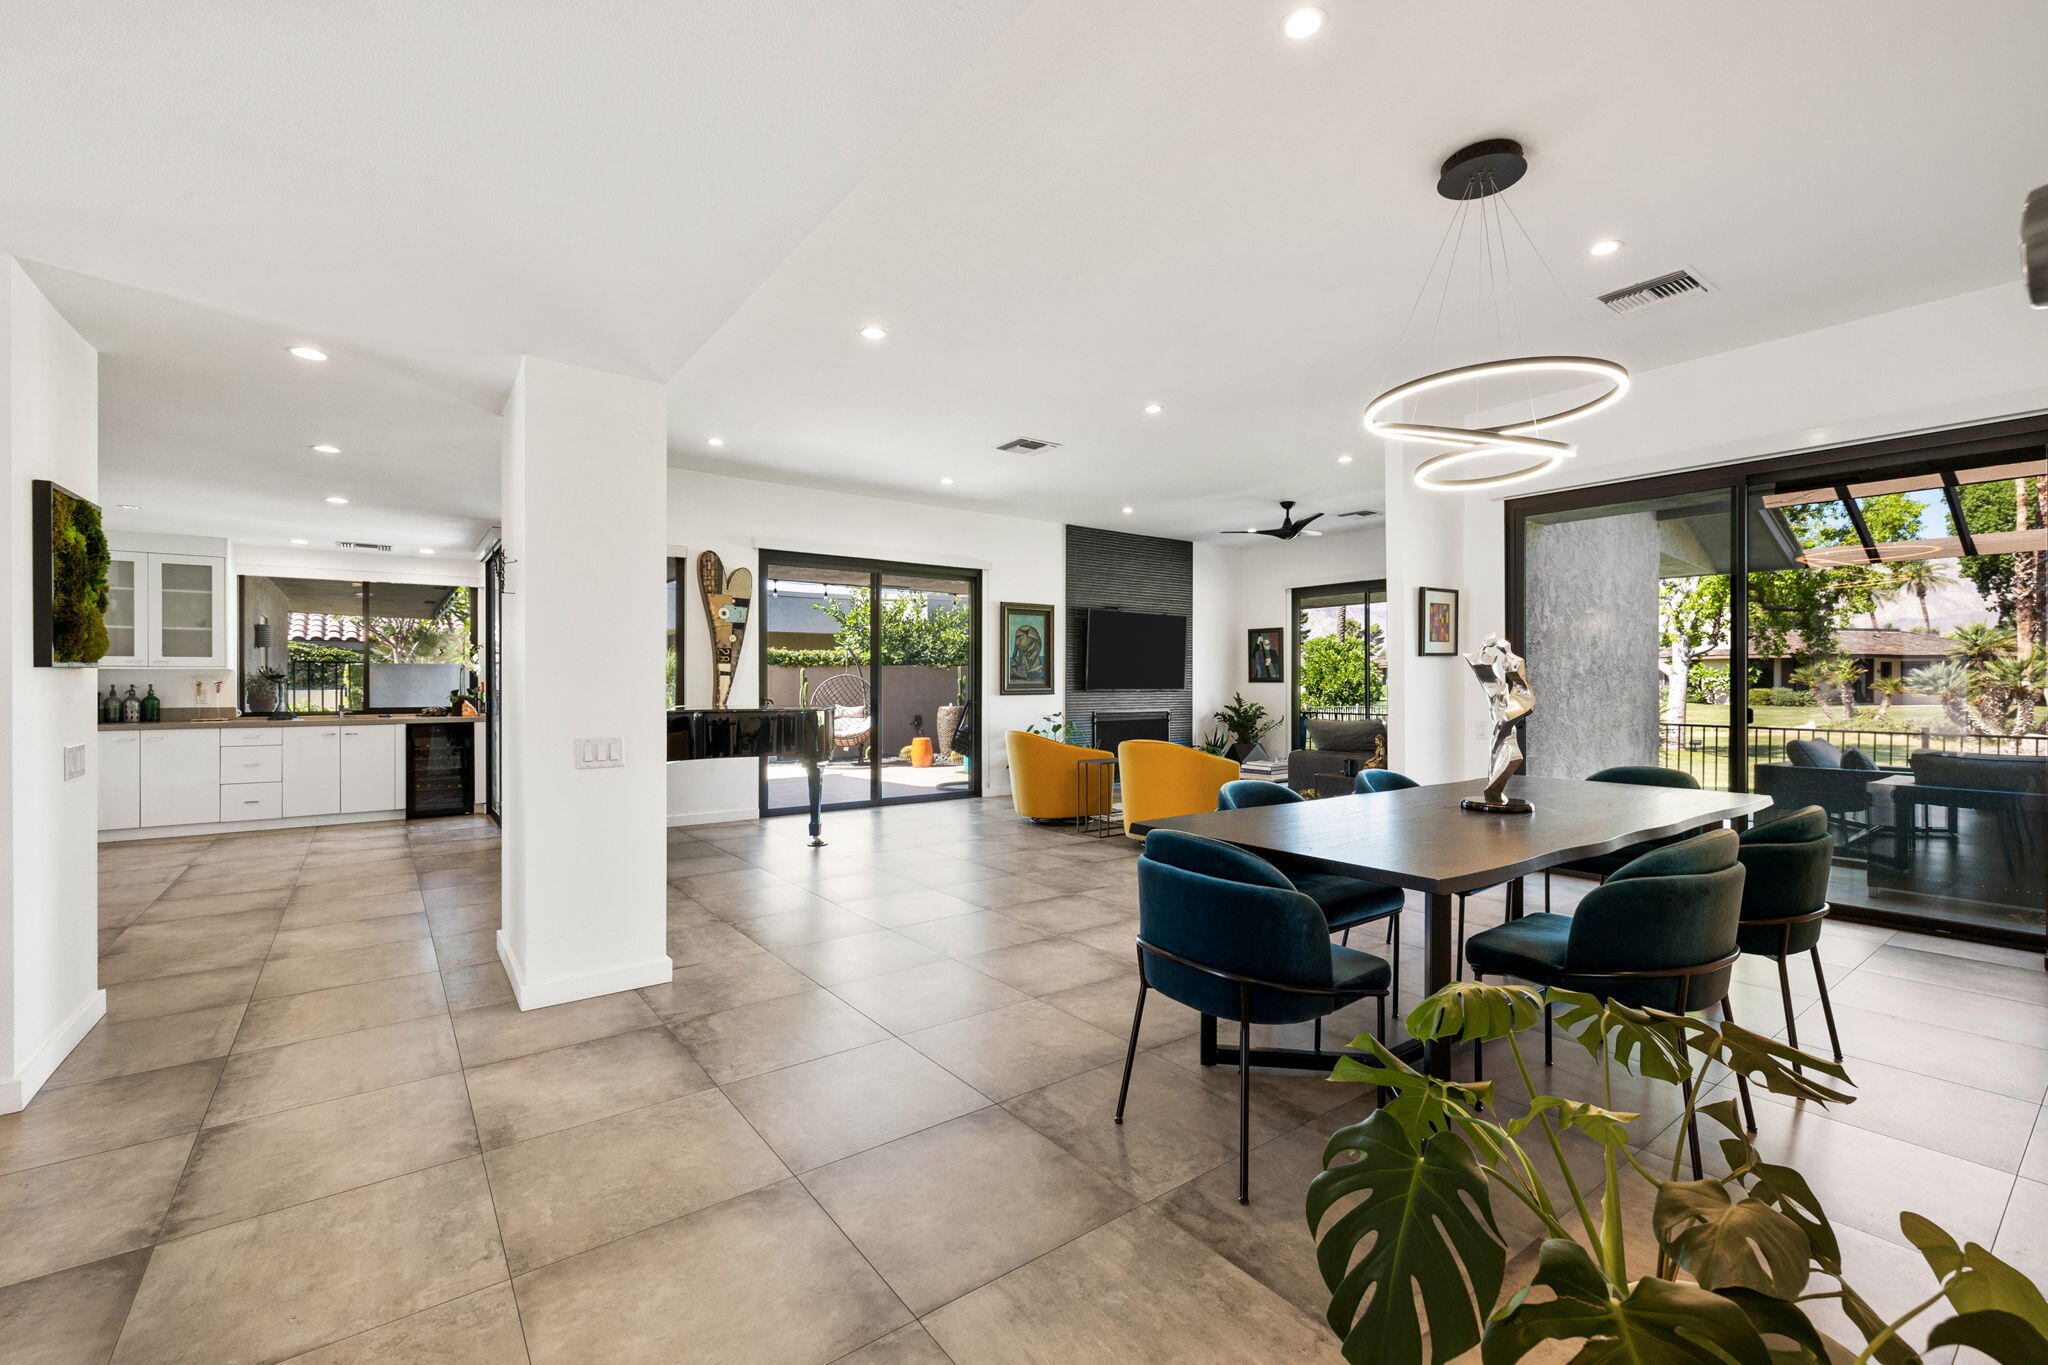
[343, 935]
[319, 1069]
[544, 1092]
[161, 995]
[750, 1039]
[205, 907]
[270, 1287]
[313, 914]
[2023, 1234]
[1066, 914]
[1051, 964]
[909, 907]
[1135, 1290]
[480, 983]
[299, 974]
[925, 1213]
[2004, 1066]
[1268, 1238]
[822, 1110]
[100, 1116]
[2024, 983]
[569, 1191]
[965, 935]
[708, 987]
[121, 1049]
[837, 960]
[1004, 892]
[257, 1165]
[494, 1033]
[1005, 1052]
[765, 1276]
[910, 1345]
[284, 1019]
[476, 1329]
[70, 1316]
[1976, 1125]
[2034, 1166]
[927, 995]
[1109, 1005]
[129, 960]
[1964, 1011]
[87, 1209]
[805, 926]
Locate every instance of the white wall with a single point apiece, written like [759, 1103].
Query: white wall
[1953, 362]
[1021, 560]
[1240, 587]
[49, 891]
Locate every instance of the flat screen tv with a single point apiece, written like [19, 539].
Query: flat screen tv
[1132, 651]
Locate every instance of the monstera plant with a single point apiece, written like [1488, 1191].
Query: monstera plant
[1415, 1259]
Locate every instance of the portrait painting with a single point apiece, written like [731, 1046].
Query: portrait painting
[1028, 655]
[1263, 656]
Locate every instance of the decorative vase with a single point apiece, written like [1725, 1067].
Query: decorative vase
[1241, 751]
[948, 727]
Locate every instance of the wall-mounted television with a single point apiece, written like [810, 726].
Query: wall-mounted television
[1131, 651]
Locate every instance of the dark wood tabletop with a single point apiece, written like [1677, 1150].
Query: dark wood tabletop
[1420, 839]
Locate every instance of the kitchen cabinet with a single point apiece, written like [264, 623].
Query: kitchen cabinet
[187, 611]
[312, 770]
[120, 780]
[127, 582]
[179, 776]
[369, 767]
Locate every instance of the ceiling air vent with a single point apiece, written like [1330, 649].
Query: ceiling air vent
[1661, 292]
[361, 545]
[1028, 445]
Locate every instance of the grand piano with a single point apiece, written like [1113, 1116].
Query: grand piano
[803, 733]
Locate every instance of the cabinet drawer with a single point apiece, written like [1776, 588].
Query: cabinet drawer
[242, 763]
[236, 739]
[251, 800]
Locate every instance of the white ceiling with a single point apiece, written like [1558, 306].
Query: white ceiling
[1061, 212]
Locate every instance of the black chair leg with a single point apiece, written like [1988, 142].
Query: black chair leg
[1549, 1033]
[1319, 1034]
[1381, 1098]
[1546, 891]
[1346, 940]
[1131, 1050]
[1827, 1007]
[1478, 1048]
[1785, 991]
[1692, 1130]
[1458, 948]
[1244, 1095]
[1741, 1081]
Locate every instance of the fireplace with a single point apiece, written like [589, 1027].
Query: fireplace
[1107, 729]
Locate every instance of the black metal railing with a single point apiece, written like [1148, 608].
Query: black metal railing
[316, 685]
[1702, 750]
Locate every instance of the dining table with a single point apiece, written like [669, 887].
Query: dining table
[1420, 839]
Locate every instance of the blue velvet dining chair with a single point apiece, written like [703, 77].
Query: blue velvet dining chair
[1346, 902]
[1225, 933]
[1381, 780]
[1660, 933]
[1600, 866]
[1784, 900]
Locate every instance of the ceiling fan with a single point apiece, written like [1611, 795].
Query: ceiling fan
[1288, 528]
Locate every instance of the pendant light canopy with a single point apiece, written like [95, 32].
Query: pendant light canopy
[1473, 176]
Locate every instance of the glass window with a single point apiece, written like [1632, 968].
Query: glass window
[322, 645]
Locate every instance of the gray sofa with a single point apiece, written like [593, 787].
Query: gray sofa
[1340, 748]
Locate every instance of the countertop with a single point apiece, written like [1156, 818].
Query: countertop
[262, 723]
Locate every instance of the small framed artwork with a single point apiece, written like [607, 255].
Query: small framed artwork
[1027, 649]
[1436, 620]
[1263, 656]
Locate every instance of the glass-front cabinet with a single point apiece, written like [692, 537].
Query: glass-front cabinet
[125, 644]
[166, 610]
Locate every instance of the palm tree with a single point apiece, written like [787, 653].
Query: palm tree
[1920, 577]
[1949, 683]
[1815, 676]
[1888, 690]
[1842, 674]
[1974, 645]
[2010, 685]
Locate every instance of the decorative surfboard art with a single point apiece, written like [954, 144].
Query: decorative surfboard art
[728, 600]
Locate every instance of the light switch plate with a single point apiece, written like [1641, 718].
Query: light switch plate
[600, 753]
[74, 761]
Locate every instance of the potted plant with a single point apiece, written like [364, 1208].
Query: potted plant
[1404, 1212]
[266, 690]
[1247, 722]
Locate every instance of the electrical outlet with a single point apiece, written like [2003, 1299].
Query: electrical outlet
[600, 753]
[74, 761]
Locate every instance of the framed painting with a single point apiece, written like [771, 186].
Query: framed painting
[1436, 620]
[1027, 649]
[1263, 657]
[69, 593]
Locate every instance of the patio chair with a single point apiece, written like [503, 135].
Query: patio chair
[847, 696]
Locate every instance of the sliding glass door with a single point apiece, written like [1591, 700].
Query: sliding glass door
[1340, 654]
[1864, 630]
[890, 649]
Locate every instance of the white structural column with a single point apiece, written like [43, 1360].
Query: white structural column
[49, 873]
[585, 531]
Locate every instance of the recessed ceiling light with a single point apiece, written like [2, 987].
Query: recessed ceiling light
[1129, 510]
[947, 480]
[1606, 248]
[328, 450]
[1343, 459]
[872, 332]
[309, 353]
[426, 552]
[716, 441]
[1152, 409]
[1305, 22]
[337, 501]
[297, 541]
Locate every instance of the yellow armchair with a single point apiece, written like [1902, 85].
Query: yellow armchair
[1042, 776]
[1162, 780]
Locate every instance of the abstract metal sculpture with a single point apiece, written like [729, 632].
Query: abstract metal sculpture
[728, 597]
[1504, 676]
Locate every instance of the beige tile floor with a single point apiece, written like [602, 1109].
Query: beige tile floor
[868, 1120]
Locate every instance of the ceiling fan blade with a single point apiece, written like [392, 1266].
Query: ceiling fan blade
[1240, 533]
[1361, 512]
[1306, 520]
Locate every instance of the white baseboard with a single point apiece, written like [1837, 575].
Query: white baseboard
[713, 817]
[115, 836]
[533, 995]
[17, 1091]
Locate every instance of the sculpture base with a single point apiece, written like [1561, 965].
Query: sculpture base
[1512, 805]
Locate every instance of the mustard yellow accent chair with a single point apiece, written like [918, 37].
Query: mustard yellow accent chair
[1162, 780]
[1042, 781]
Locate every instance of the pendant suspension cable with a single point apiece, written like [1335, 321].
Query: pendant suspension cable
[1421, 292]
[1451, 269]
[1507, 263]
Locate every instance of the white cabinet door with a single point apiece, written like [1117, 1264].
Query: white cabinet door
[187, 611]
[120, 779]
[369, 767]
[180, 777]
[312, 770]
[127, 611]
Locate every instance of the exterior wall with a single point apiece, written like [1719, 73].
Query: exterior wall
[1592, 644]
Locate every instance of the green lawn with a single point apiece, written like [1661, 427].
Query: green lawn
[1908, 717]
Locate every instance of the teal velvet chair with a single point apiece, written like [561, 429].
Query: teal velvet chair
[1661, 932]
[1225, 933]
[1784, 900]
[1346, 902]
[1381, 780]
[1603, 865]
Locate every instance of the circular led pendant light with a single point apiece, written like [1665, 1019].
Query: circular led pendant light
[1472, 176]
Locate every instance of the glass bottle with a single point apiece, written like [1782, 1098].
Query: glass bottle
[152, 707]
[110, 707]
[131, 707]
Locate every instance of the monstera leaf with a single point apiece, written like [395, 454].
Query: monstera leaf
[1608, 1127]
[1422, 1104]
[1658, 1322]
[1998, 1310]
[1466, 1010]
[1772, 1062]
[1728, 1243]
[1647, 1042]
[1425, 1222]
